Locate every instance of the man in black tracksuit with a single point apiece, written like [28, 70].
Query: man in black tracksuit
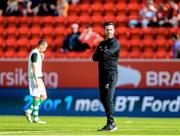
[107, 54]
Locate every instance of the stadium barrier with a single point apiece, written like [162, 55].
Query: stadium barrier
[85, 102]
[145, 88]
[82, 73]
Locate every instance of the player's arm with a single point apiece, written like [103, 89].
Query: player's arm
[109, 52]
[34, 60]
[97, 54]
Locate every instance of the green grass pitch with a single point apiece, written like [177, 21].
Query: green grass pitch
[87, 126]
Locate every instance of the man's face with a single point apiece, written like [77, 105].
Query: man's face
[42, 48]
[75, 29]
[109, 31]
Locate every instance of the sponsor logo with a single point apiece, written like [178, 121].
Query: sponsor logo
[128, 76]
[162, 78]
[18, 77]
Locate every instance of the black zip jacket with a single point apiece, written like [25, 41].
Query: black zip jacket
[107, 54]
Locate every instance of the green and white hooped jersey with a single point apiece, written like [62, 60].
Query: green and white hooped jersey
[38, 65]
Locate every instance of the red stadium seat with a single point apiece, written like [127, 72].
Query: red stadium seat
[58, 42]
[98, 29]
[133, 9]
[1, 52]
[170, 43]
[10, 48]
[85, 54]
[1, 47]
[109, 9]
[82, 28]
[48, 32]
[124, 49]
[48, 21]
[136, 48]
[159, 1]
[49, 53]
[135, 33]
[10, 52]
[161, 48]
[84, 20]
[59, 54]
[85, 9]
[121, 1]
[2, 21]
[122, 20]
[25, 21]
[72, 19]
[36, 21]
[2, 32]
[149, 51]
[124, 54]
[33, 43]
[110, 18]
[97, 20]
[134, 1]
[97, 9]
[60, 21]
[36, 31]
[60, 31]
[23, 47]
[11, 21]
[97, 1]
[178, 32]
[169, 54]
[85, 1]
[110, 1]
[161, 33]
[122, 32]
[23, 42]
[147, 33]
[23, 32]
[73, 10]
[2, 42]
[121, 9]
[22, 52]
[11, 32]
[51, 48]
[143, 1]
[172, 31]
[133, 16]
[11, 42]
[50, 42]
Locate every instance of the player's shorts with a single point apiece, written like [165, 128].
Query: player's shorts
[41, 90]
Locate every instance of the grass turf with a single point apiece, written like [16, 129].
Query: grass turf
[18, 125]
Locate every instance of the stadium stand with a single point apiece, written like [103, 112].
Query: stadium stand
[20, 34]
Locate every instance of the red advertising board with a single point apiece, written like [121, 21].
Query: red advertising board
[83, 73]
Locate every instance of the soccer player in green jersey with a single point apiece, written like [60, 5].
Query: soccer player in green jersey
[36, 85]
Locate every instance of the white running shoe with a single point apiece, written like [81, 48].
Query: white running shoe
[40, 122]
[28, 116]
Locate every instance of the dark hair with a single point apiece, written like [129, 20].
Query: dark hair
[108, 23]
[41, 42]
[174, 36]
